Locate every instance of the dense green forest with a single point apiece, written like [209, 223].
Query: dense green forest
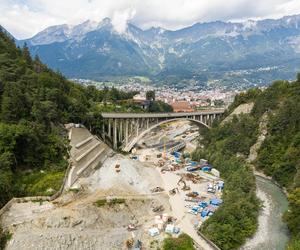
[227, 145]
[35, 102]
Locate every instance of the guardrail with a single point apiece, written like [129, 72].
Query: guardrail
[14, 200]
[117, 115]
[209, 242]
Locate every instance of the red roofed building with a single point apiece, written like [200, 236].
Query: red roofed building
[182, 106]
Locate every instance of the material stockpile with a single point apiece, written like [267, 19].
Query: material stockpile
[194, 197]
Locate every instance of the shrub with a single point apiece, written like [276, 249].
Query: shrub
[4, 238]
[183, 242]
[100, 203]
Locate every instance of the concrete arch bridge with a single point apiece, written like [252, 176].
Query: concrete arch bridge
[126, 129]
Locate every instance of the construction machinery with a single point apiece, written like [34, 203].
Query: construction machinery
[158, 209]
[129, 243]
[185, 187]
[131, 227]
[192, 194]
[173, 191]
[117, 167]
[157, 189]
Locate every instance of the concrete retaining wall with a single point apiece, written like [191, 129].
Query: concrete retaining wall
[60, 191]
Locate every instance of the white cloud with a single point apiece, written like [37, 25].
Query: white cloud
[24, 18]
[120, 19]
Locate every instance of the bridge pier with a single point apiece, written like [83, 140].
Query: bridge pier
[115, 142]
[130, 126]
[137, 127]
[119, 130]
[103, 131]
[126, 131]
[109, 128]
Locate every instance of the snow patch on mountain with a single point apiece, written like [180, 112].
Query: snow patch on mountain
[249, 25]
[295, 43]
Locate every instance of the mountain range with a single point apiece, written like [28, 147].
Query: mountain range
[230, 54]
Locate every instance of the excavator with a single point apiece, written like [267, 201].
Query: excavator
[185, 187]
[117, 167]
[173, 191]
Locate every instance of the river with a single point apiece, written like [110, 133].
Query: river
[272, 233]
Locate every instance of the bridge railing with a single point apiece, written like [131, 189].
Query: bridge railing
[124, 115]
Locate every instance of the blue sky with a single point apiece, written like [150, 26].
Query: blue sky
[24, 18]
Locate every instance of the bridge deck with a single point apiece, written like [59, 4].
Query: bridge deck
[160, 115]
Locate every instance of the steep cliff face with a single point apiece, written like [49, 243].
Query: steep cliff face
[245, 108]
[262, 133]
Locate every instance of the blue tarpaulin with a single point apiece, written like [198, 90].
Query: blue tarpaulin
[203, 204]
[216, 202]
[204, 213]
[192, 168]
[196, 208]
[176, 154]
[193, 163]
[206, 168]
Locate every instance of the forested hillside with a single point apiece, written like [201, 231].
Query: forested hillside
[227, 146]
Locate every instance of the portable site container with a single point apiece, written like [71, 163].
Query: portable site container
[137, 245]
[153, 231]
[210, 213]
[169, 229]
[215, 172]
[176, 230]
[220, 185]
[203, 162]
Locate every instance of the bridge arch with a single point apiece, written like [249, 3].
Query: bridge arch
[125, 129]
[135, 140]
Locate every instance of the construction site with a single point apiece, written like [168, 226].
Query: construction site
[116, 201]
